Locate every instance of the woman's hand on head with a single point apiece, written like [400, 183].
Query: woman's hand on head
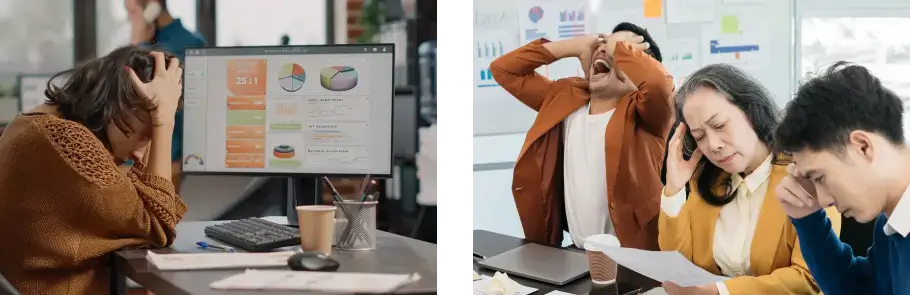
[164, 89]
[679, 170]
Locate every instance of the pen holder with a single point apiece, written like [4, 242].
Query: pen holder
[360, 231]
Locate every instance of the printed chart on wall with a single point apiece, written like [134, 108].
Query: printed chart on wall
[681, 58]
[487, 47]
[740, 41]
[554, 20]
[297, 114]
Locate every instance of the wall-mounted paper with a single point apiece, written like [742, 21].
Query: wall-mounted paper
[748, 49]
[653, 8]
[681, 58]
[690, 11]
[554, 20]
[729, 24]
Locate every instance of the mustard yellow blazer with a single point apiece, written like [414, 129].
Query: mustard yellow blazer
[775, 256]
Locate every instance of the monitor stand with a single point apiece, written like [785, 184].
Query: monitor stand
[301, 191]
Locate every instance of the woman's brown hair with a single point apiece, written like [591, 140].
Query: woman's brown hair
[99, 92]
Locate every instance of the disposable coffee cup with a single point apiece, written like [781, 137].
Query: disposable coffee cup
[603, 269]
[317, 228]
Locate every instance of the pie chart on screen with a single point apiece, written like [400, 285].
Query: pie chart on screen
[291, 77]
[338, 78]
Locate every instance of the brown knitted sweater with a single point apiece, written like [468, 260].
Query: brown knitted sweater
[65, 206]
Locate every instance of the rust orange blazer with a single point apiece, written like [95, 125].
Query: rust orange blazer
[635, 140]
[775, 256]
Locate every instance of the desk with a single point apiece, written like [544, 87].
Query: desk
[393, 254]
[629, 282]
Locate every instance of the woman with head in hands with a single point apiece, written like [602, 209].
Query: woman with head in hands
[65, 201]
[731, 224]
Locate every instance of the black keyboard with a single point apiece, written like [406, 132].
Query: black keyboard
[254, 234]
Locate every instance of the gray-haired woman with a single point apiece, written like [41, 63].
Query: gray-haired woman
[729, 225]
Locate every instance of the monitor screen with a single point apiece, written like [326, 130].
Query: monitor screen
[289, 110]
[31, 90]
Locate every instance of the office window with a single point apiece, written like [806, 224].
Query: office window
[114, 28]
[251, 23]
[36, 36]
[872, 42]
[867, 41]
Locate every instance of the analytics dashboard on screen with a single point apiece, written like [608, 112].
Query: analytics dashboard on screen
[321, 110]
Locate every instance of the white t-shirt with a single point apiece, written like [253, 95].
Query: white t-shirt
[585, 172]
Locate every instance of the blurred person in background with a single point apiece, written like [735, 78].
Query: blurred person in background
[154, 27]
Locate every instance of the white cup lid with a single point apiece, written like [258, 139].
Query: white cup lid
[599, 242]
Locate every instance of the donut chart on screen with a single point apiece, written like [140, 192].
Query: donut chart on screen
[338, 78]
[291, 77]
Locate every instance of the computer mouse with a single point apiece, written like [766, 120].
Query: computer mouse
[312, 261]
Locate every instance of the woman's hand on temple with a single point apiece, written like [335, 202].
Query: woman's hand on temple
[679, 170]
[164, 89]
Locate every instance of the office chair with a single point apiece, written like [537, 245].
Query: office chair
[6, 288]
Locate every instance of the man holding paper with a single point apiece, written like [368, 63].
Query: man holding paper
[591, 162]
[845, 132]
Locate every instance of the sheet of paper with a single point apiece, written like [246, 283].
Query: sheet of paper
[656, 291]
[554, 20]
[481, 284]
[476, 276]
[188, 261]
[737, 40]
[557, 292]
[662, 266]
[335, 282]
[681, 58]
[690, 11]
[489, 45]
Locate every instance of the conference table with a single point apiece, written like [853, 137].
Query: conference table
[490, 244]
[394, 254]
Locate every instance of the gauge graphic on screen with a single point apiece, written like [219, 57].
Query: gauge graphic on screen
[291, 77]
[338, 78]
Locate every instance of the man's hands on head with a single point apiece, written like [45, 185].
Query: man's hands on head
[797, 194]
[636, 41]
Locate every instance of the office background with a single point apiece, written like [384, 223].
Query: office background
[801, 36]
[47, 36]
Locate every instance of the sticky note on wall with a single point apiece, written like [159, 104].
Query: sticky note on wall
[653, 8]
[729, 24]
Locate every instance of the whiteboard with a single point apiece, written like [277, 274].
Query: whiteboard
[497, 112]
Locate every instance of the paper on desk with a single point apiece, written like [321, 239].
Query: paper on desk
[188, 261]
[557, 292]
[662, 266]
[334, 282]
[501, 281]
[656, 291]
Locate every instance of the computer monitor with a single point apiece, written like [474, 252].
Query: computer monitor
[289, 110]
[31, 90]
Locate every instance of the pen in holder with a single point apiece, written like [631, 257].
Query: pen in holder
[360, 231]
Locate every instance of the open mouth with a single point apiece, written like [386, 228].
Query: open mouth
[600, 66]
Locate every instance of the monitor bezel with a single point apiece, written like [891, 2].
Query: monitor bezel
[296, 174]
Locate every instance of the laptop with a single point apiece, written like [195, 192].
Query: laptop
[541, 263]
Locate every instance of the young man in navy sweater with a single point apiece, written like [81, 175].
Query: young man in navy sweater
[844, 131]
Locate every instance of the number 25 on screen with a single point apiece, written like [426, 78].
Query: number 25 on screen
[246, 76]
[247, 80]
